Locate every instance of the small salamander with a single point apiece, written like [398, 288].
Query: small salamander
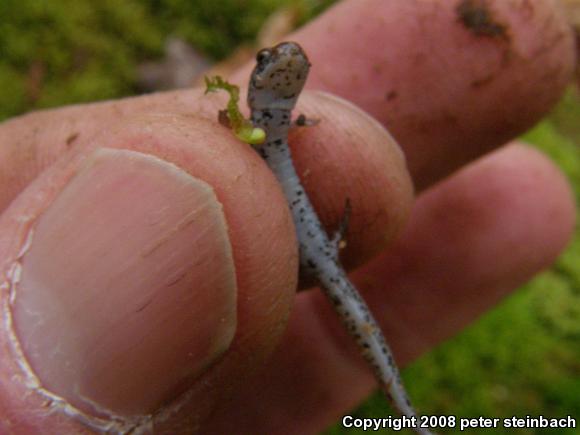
[275, 85]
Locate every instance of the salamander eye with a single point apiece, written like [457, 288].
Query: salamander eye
[263, 55]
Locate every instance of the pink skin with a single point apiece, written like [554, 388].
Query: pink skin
[511, 198]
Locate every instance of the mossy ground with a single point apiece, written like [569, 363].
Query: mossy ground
[522, 358]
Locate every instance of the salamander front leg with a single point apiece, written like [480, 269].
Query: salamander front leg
[303, 121]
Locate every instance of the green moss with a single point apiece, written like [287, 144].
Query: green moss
[219, 26]
[13, 96]
[71, 51]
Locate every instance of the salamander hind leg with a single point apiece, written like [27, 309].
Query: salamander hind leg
[338, 240]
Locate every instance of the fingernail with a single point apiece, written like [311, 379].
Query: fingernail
[127, 292]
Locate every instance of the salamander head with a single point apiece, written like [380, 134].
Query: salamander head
[278, 77]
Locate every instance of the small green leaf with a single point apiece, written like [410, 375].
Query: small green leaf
[242, 127]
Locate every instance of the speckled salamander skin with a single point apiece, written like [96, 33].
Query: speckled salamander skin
[275, 85]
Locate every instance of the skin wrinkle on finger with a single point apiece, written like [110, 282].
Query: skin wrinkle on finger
[525, 183]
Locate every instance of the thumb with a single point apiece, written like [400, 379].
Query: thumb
[127, 278]
[149, 272]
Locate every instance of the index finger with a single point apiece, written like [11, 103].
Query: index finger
[450, 80]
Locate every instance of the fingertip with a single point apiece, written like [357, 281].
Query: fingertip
[259, 225]
[256, 225]
[349, 155]
[471, 240]
[540, 187]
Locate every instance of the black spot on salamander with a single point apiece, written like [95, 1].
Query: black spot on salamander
[299, 192]
[301, 211]
[289, 97]
[278, 142]
[365, 345]
[298, 76]
[267, 114]
[310, 234]
[296, 201]
[311, 264]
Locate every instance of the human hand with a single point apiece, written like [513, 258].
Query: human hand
[148, 241]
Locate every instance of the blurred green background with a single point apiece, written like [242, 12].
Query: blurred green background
[522, 358]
